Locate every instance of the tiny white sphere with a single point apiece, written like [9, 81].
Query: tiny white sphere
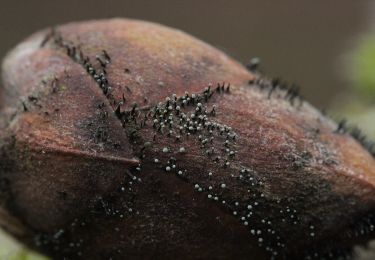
[223, 185]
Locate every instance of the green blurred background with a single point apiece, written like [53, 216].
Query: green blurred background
[326, 46]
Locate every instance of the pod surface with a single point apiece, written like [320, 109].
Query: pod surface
[122, 138]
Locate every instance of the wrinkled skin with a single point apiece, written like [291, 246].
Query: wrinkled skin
[84, 173]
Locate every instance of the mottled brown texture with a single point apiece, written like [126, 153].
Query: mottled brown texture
[78, 158]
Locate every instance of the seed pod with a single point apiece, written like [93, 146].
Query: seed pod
[122, 138]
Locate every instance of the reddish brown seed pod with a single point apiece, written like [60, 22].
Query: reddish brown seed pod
[122, 138]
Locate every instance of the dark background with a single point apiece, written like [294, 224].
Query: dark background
[303, 41]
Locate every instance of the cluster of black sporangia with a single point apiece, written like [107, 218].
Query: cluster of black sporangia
[77, 55]
[356, 133]
[292, 94]
[180, 118]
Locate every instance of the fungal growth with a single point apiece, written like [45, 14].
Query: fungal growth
[125, 139]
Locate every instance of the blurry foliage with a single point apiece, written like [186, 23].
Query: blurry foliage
[359, 107]
[363, 68]
[12, 250]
